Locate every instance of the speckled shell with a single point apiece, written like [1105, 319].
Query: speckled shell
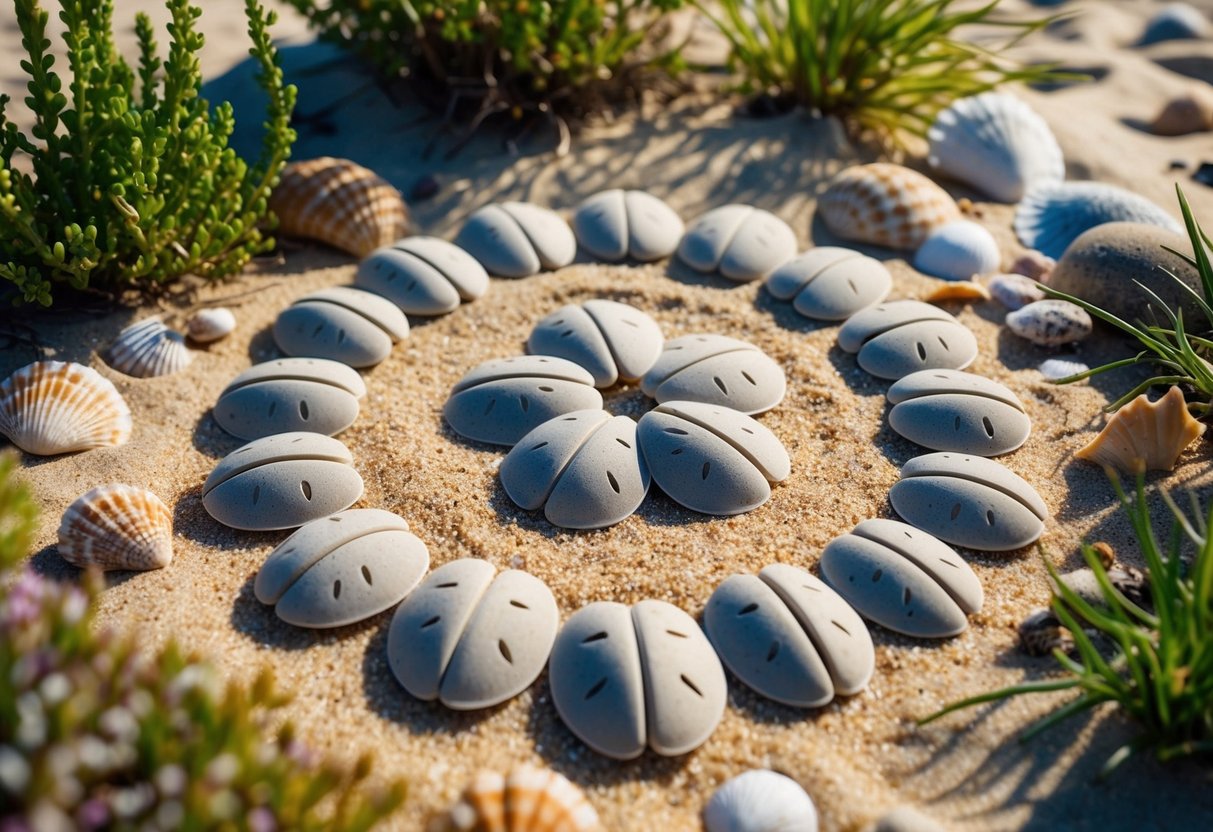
[1191, 112]
[339, 203]
[525, 800]
[760, 800]
[885, 204]
[958, 251]
[1145, 435]
[1050, 322]
[209, 325]
[148, 349]
[1053, 216]
[55, 407]
[1014, 291]
[117, 527]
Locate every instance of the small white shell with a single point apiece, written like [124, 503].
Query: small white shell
[760, 801]
[117, 527]
[1055, 368]
[1014, 291]
[56, 407]
[207, 325]
[1050, 323]
[958, 251]
[148, 349]
[526, 800]
[1053, 216]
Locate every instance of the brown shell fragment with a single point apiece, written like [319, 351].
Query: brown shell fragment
[964, 291]
[1144, 435]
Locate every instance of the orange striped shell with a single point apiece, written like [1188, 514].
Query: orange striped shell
[338, 202]
[885, 204]
[526, 800]
[56, 407]
[117, 527]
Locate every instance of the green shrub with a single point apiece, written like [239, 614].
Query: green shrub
[127, 180]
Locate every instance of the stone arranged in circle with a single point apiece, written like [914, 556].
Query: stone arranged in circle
[711, 459]
[471, 637]
[584, 469]
[830, 283]
[612, 340]
[741, 242]
[950, 410]
[343, 324]
[424, 276]
[342, 569]
[517, 239]
[716, 369]
[503, 400]
[903, 579]
[614, 225]
[282, 481]
[290, 394]
[626, 678]
[789, 636]
[901, 337]
[969, 501]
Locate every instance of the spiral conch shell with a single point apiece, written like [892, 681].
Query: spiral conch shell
[117, 527]
[1144, 435]
[526, 800]
[56, 407]
[885, 204]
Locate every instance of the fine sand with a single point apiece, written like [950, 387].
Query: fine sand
[857, 757]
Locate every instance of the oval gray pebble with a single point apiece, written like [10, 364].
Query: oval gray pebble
[517, 239]
[290, 394]
[789, 636]
[902, 578]
[348, 325]
[616, 224]
[830, 283]
[611, 340]
[969, 501]
[423, 275]
[950, 410]
[624, 679]
[741, 242]
[341, 569]
[901, 337]
[471, 639]
[716, 369]
[282, 481]
[585, 469]
[711, 459]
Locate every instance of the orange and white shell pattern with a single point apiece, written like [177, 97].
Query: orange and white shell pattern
[885, 204]
[1144, 435]
[56, 407]
[526, 800]
[117, 527]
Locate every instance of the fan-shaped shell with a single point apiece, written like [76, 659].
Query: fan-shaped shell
[117, 527]
[525, 800]
[148, 349]
[56, 407]
[1191, 112]
[885, 204]
[1145, 435]
[1053, 216]
[340, 203]
[997, 144]
[958, 251]
[760, 801]
[209, 325]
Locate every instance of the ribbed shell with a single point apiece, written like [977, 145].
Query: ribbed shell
[338, 202]
[526, 800]
[1145, 435]
[117, 527]
[55, 407]
[209, 325]
[885, 204]
[760, 801]
[1053, 216]
[147, 349]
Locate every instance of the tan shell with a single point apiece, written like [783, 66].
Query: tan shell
[1145, 435]
[56, 407]
[961, 290]
[885, 204]
[1191, 112]
[338, 202]
[117, 527]
[526, 800]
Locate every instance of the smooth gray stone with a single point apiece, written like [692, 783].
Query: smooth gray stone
[611, 340]
[969, 501]
[348, 325]
[549, 234]
[423, 275]
[830, 283]
[715, 369]
[868, 323]
[922, 345]
[613, 225]
[902, 579]
[281, 482]
[530, 470]
[290, 394]
[502, 401]
[741, 242]
[496, 239]
[949, 410]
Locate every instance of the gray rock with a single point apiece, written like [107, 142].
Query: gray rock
[517, 239]
[900, 337]
[290, 394]
[612, 340]
[949, 410]
[830, 283]
[348, 325]
[741, 242]
[716, 369]
[423, 275]
[616, 224]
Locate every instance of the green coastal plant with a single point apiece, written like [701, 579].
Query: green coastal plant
[1161, 670]
[98, 733]
[126, 179]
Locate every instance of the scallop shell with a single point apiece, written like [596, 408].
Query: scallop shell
[117, 527]
[147, 349]
[1191, 112]
[208, 325]
[338, 202]
[1055, 368]
[958, 251]
[1014, 291]
[997, 144]
[885, 204]
[760, 801]
[1050, 322]
[526, 800]
[55, 407]
[1053, 216]
[1144, 435]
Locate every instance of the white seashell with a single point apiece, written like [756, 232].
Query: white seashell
[209, 325]
[1050, 323]
[1144, 435]
[1053, 216]
[117, 527]
[997, 144]
[55, 407]
[1014, 291]
[760, 801]
[148, 349]
[958, 251]
[888, 205]
[526, 800]
[1055, 368]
